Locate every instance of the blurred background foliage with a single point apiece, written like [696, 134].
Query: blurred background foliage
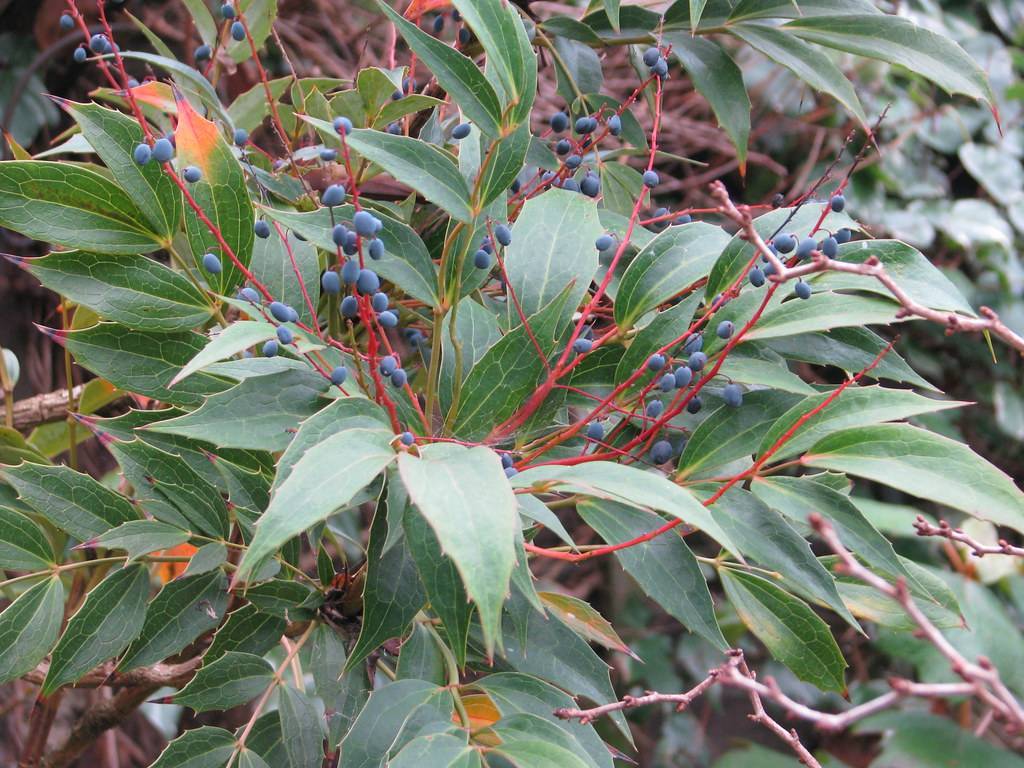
[946, 179]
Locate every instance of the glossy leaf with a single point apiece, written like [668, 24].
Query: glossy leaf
[231, 680]
[343, 696]
[791, 631]
[663, 327]
[23, 545]
[132, 290]
[670, 263]
[247, 630]
[300, 728]
[29, 627]
[664, 567]
[110, 618]
[227, 342]
[477, 330]
[326, 477]
[584, 620]
[72, 206]
[464, 496]
[140, 537]
[182, 611]
[552, 247]
[421, 166]
[918, 462]
[114, 136]
[203, 747]
[898, 40]
[74, 502]
[221, 194]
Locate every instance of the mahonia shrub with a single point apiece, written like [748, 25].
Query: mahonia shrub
[395, 344]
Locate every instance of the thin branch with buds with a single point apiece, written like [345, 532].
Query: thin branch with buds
[871, 267]
[946, 531]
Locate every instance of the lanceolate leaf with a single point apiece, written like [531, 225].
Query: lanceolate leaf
[220, 193]
[923, 464]
[898, 40]
[456, 73]
[23, 545]
[114, 136]
[803, 60]
[421, 166]
[664, 567]
[233, 679]
[140, 537]
[133, 290]
[325, 478]
[74, 502]
[465, 497]
[143, 362]
[792, 632]
[301, 729]
[71, 206]
[552, 247]
[29, 627]
[184, 609]
[203, 747]
[719, 80]
[110, 618]
[227, 342]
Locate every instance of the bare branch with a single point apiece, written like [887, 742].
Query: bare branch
[946, 531]
[872, 267]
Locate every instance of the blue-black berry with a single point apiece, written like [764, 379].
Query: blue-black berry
[697, 361]
[595, 431]
[802, 289]
[694, 405]
[284, 335]
[683, 376]
[830, 247]
[338, 375]
[733, 395]
[270, 348]
[367, 282]
[725, 329]
[838, 203]
[192, 174]
[558, 122]
[280, 311]
[654, 409]
[582, 346]
[461, 131]
[342, 126]
[651, 179]
[379, 302]
[482, 259]
[237, 31]
[333, 195]
[163, 150]
[651, 56]
[67, 21]
[142, 154]
[80, 55]
[398, 378]
[655, 363]
[604, 242]
[211, 264]
[661, 452]
[262, 229]
[241, 137]
[756, 277]
[503, 234]
[365, 223]
[784, 243]
[350, 307]
[330, 282]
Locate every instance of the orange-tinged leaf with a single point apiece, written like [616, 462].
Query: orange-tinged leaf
[170, 571]
[583, 619]
[196, 137]
[418, 7]
[481, 710]
[156, 94]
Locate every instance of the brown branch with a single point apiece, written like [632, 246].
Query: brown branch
[871, 267]
[160, 675]
[946, 531]
[40, 409]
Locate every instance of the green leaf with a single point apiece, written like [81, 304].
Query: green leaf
[198, 503]
[420, 657]
[799, 497]
[186, 78]
[272, 265]
[183, 610]
[500, 30]
[663, 327]
[326, 476]
[538, 753]
[851, 349]
[206, 558]
[301, 730]
[921, 739]
[441, 581]
[250, 108]
[910, 268]
[477, 330]
[806, 62]
[732, 264]
[128, 289]
[787, 9]
[23, 545]
[343, 697]
[248, 630]
[583, 619]
[790, 630]
[718, 79]
[435, 749]
[233, 679]
[455, 73]
[567, 662]
[261, 413]
[406, 261]
[926, 465]
[390, 710]
[29, 627]
[203, 20]
[221, 194]
[626, 485]
[292, 600]
[392, 592]
[425, 168]
[464, 495]
[552, 247]
[855, 407]
[203, 747]
[514, 693]
[260, 16]
[143, 362]
[140, 537]
[109, 619]
[728, 433]
[74, 502]
[227, 342]
[669, 264]
[766, 538]
[250, 758]
[577, 69]
[664, 567]
[898, 40]
[844, 309]
[71, 206]
[114, 136]
[508, 372]
[505, 164]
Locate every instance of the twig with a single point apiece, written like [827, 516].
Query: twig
[871, 267]
[946, 531]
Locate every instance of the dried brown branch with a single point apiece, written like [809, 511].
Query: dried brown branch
[40, 409]
[946, 531]
[160, 675]
[871, 267]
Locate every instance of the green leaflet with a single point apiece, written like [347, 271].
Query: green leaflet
[29, 627]
[231, 680]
